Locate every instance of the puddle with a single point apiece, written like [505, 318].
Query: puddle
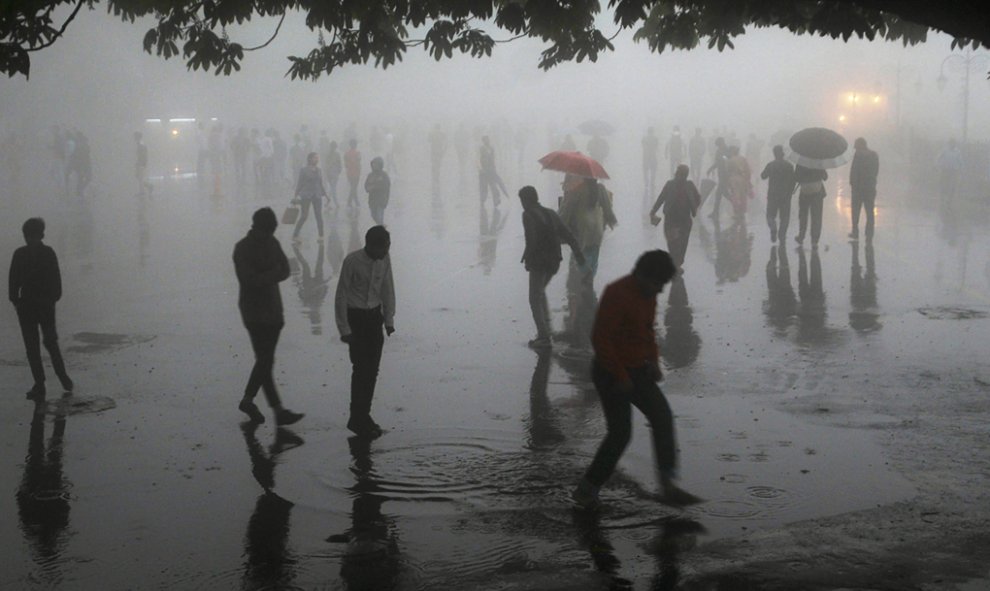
[95, 342]
[78, 405]
[951, 313]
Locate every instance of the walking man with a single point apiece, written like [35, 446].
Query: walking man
[352, 165]
[35, 285]
[779, 174]
[364, 304]
[625, 371]
[261, 265]
[379, 188]
[719, 160]
[811, 197]
[543, 230]
[863, 181]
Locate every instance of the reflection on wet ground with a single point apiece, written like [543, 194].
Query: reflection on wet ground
[469, 487]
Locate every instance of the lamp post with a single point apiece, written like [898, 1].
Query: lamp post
[966, 61]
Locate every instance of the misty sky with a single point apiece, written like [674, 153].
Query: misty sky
[99, 76]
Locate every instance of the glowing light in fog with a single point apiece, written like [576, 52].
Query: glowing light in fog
[175, 132]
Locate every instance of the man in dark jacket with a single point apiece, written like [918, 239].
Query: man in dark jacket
[543, 230]
[779, 174]
[863, 181]
[35, 285]
[261, 265]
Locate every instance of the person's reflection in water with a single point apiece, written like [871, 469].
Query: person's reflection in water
[863, 292]
[811, 312]
[674, 535]
[542, 429]
[489, 229]
[681, 343]
[144, 232]
[371, 561]
[43, 497]
[781, 302]
[438, 219]
[313, 288]
[269, 563]
[733, 251]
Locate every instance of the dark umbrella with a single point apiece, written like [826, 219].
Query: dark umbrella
[817, 147]
[574, 163]
[596, 127]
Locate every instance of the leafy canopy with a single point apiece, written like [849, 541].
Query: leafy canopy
[381, 32]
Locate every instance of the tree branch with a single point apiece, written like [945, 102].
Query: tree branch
[275, 34]
[60, 31]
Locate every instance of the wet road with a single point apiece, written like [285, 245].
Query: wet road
[792, 374]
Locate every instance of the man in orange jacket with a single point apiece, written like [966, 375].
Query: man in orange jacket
[625, 371]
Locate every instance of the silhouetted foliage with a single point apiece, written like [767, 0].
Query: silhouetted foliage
[380, 32]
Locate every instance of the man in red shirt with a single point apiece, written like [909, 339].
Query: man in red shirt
[352, 166]
[625, 371]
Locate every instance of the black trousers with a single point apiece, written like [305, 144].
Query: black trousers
[264, 339]
[778, 205]
[863, 200]
[647, 397]
[810, 205]
[365, 348]
[33, 318]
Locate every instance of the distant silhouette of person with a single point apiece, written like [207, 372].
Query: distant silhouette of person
[779, 174]
[35, 285]
[334, 165]
[811, 197]
[261, 265]
[268, 562]
[543, 231]
[674, 150]
[488, 179]
[438, 148]
[81, 163]
[379, 188]
[680, 201]
[863, 181]
[696, 153]
[949, 165]
[625, 371]
[598, 148]
[141, 166]
[352, 166]
[43, 505]
[719, 159]
[310, 193]
[863, 291]
[651, 151]
[740, 182]
[365, 303]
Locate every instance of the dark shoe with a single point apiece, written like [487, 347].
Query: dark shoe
[585, 496]
[287, 417]
[251, 409]
[365, 428]
[67, 384]
[540, 343]
[36, 393]
[799, 239]
[678, 497]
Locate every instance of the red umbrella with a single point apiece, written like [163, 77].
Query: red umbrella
[574, 163]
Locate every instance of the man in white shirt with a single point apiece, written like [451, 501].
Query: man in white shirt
[364, 303]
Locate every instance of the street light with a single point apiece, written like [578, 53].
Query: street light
[966, 61]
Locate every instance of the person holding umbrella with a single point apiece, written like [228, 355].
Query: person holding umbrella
[811, 196]
[815, 149]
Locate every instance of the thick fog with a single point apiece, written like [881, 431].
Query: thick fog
[99, 79]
